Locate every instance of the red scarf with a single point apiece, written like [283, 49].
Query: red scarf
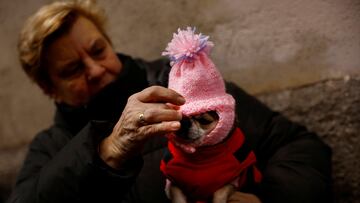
[201, 173]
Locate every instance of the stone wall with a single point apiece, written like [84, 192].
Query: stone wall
[264, 46]
[331, 109]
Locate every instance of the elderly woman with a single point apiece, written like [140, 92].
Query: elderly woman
[112, 114]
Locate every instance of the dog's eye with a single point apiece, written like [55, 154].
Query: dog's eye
[205, 119]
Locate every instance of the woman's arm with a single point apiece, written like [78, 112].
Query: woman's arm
[60, 169]
[101, 162]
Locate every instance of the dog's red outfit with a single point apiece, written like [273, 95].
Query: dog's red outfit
[201, 173]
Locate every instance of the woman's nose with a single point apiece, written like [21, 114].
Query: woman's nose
[94, 70]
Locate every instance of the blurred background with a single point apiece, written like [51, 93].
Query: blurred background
[300, 57]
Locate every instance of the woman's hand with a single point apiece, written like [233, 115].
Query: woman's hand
[242, 197]
[151, 112]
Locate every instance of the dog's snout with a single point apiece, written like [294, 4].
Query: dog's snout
[184, 129]
[185, 123]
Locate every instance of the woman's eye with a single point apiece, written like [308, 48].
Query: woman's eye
[98, 48]
[71, 71]
[98, 51]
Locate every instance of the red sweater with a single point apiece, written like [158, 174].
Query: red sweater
[201, 173]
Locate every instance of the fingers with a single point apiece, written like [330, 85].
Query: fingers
[159, 128]
[177, 196]
[243, 197]
[157, 115]
[151, 112]
[222, 195]
[157, 94]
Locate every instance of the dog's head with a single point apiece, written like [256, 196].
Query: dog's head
[194, 128]
[209, 110]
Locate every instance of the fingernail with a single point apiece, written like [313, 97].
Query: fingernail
[181, 100]
[175, 125]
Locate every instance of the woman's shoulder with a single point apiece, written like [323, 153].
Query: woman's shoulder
[50, 140]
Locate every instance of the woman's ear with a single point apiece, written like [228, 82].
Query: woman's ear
[45, 88]
[48, 90]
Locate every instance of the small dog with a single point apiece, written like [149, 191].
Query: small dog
[205, 159]
[193, 129]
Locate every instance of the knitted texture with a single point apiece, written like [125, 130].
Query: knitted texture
[195, 77]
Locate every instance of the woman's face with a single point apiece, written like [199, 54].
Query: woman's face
[80, 63]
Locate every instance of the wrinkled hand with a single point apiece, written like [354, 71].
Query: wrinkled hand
[160, 116]
[240, 197]
[228, 194]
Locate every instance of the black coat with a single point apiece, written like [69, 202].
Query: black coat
[62, 164]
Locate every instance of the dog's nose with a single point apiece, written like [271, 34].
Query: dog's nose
[184, 129]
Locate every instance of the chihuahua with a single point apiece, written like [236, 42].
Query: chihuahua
[193, 130]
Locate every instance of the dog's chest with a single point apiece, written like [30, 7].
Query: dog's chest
[202, 173]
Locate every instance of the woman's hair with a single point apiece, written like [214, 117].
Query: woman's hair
[46, 25]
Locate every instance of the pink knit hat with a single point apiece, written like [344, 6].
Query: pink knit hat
[195, 77]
